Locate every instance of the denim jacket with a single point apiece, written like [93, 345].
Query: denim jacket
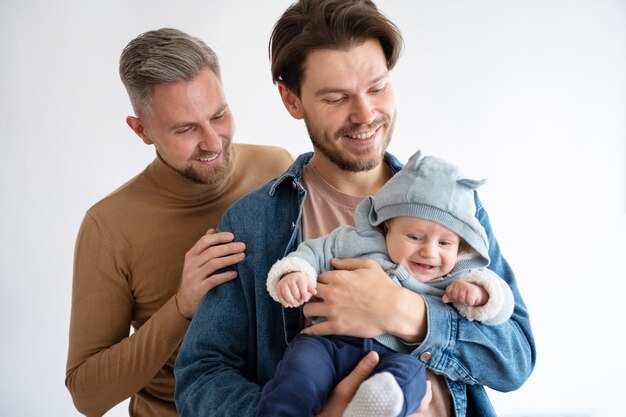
[239, 334]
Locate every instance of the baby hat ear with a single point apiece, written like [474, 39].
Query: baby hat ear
[414, 160]
[363, 213]
[367, 207]
[471, 184]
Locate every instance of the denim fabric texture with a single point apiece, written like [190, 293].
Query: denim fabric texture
[239, 334]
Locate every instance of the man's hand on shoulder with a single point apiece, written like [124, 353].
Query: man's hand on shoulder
[211, 253]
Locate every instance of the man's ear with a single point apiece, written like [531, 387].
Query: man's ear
[139, 128]
[291, 101]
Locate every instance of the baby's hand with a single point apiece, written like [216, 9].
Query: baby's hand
[294, 289]
[465, 293]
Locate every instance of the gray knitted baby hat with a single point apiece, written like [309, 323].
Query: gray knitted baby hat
[433, 189]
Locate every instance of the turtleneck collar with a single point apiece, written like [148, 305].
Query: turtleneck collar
[172, 184]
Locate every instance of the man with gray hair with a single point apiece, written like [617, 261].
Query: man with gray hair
[148, 253]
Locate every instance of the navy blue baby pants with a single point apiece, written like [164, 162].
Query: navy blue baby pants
[313, 365]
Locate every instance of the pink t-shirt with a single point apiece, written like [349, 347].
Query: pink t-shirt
[325, 207]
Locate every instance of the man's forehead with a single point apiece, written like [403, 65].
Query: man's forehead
[363, 63]
[183, 102]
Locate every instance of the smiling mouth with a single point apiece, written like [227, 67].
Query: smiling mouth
[208, 158]
[423, 266]
[357, 131]
[364, 135]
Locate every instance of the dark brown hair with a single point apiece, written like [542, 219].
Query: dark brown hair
[310, 25]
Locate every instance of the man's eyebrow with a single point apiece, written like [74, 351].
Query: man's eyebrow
[222, 109]
[331, 90]
[180, 125]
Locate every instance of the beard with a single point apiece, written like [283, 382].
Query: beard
[323, 145]
[212, 175]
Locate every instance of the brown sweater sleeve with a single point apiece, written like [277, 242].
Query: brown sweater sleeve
[105, 365]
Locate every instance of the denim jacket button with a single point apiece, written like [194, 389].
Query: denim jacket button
[293, 226]
[293, 184]
[425, 356]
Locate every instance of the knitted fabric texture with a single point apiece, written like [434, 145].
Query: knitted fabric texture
[433, 189]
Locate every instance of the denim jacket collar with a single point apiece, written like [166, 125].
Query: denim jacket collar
[294, 172]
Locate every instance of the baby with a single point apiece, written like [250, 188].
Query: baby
[421, 228]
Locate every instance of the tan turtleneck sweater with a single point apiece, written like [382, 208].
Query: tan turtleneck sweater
[127, 267]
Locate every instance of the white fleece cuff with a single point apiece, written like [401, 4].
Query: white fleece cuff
[495, 303]
[286, 265]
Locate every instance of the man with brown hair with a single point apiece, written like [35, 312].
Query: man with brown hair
[331, 60]
[144, 257]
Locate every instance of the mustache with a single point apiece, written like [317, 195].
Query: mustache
[357, 128]
[211, 154]
[204, 154]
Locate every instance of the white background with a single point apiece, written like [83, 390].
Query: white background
[529, 94]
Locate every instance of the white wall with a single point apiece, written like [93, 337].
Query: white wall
[529, 94]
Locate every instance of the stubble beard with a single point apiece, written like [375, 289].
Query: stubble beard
[342, 161]
[212, 175]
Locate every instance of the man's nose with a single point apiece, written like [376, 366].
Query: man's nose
[210, 140]
[362, 110]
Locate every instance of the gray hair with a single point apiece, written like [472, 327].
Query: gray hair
[162, 56]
